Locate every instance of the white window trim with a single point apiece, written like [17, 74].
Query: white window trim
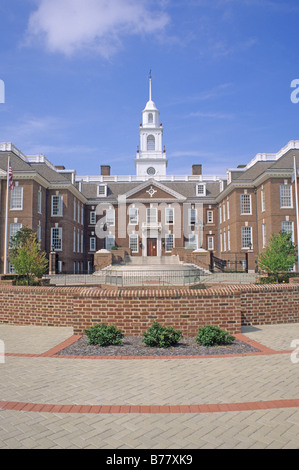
[135, 236]
[291, 223]
[167, 210]
[169, 235]
[60, 237]
[92, 217]
[210, 220]
[12, 193]
[242, 205]
[92, 244]
[112, 237]
[202, 193]
[105, 192]
[60, 204]
[251, 238]
[111, 221]
[151, 210]
[189, 216]
[133, 218]
[39, 201]
[291, 196]
[210, 243]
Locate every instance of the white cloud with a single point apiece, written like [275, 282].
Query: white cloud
[69, 26]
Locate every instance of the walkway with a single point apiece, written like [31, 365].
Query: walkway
[48, 401]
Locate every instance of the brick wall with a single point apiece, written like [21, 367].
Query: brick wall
[135, 310]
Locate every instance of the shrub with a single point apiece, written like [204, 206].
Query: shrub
[161, 336]
[104, 335]
[211, 335]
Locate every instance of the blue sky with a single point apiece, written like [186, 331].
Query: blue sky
[76, 79]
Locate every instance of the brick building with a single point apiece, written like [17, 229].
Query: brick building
[150, 213]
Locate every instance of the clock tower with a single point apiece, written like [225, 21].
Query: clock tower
[151, 158]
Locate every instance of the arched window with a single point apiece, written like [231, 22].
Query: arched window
[151, 142]
[150, 118]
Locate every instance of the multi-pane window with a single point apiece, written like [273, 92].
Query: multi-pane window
[93, 217]
[110, 217]
[92, 244]
[56, 238]
[133, 216]
[74, 241]
[263, 206]
[264, 235]
[16, 198]
[223, 212]
[57, 206]
[210, 243]
[288, 227]
[75, 209]
[228, 240]
[39, 201]
[133, 243]
[245, 204]
[224, 241]
[286, 196]
[193, 241]
[102, 190]
[227, 209]
[14, 228]
[201, 189]
[110, 242]
[192, 216]
[169, 215]
[151, 215]
[39, 233]
[169, 242]
[246, 237]
[210, 217]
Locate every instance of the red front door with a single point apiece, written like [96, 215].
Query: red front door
[151, 247]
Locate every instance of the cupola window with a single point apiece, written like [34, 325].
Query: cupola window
[150, 119]
[151, 142]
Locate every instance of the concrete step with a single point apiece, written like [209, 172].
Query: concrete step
[152, 260]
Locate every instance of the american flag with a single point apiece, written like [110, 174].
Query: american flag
[10, 178]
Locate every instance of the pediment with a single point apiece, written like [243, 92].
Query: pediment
[151, 190]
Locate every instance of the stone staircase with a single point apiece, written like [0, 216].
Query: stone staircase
[140, 261]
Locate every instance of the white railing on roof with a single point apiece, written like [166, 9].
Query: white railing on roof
[265, 157]
[40, 159]
[9, 147]
[134, 178]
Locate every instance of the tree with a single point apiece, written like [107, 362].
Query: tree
[280, 255]
[25, 255]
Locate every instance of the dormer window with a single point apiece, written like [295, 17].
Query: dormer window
[201, 189]
[102, 190]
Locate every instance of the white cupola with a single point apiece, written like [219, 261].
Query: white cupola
[151, 157]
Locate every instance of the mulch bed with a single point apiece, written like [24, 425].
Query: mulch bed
[133, 346]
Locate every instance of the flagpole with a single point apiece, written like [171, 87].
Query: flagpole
[6, 217]
[297, 209]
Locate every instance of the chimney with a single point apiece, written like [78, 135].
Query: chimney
[105, 170]
[60, 167]
[196, 170]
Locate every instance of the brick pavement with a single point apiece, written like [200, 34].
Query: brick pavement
[147, 403]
